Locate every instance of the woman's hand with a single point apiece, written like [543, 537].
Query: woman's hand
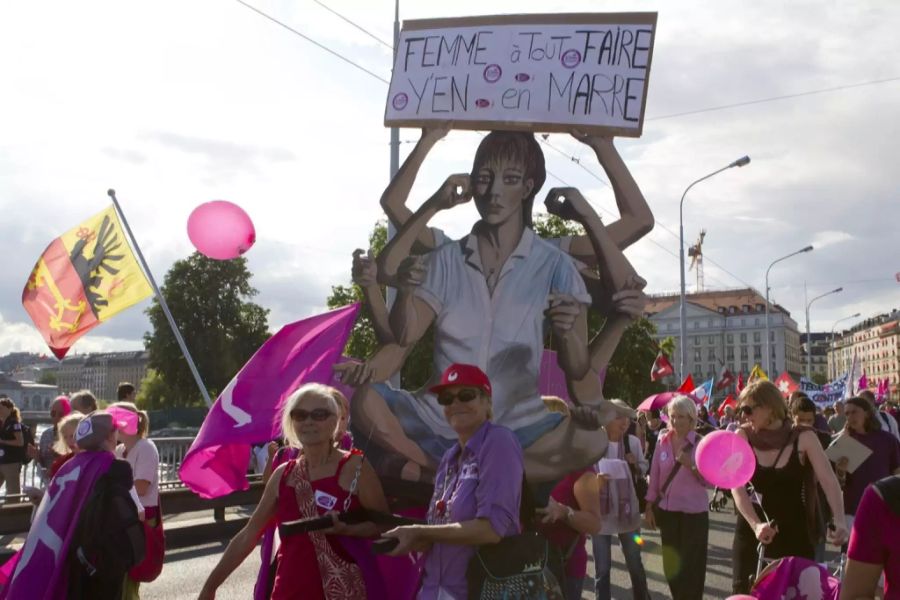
[554, 512]
[456, 190]
[410, 539]
[650, 517]
[838, 535]
[765, 533]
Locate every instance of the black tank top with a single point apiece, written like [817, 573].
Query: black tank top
[782, 498]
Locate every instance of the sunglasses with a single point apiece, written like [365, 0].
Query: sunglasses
[317, 414]
[466, 395]
[747, 409]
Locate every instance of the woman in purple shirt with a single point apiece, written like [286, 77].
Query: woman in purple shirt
[677, 502]
[477, 490]
[863, 426]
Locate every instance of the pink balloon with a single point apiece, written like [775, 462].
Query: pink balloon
[725, 459]
[221, 230]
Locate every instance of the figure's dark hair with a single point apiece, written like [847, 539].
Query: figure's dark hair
[124, 390]
[872, 423]
[83, 400]
[801, 403]
[521, 147]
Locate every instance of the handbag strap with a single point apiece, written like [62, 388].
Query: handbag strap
[662, 491]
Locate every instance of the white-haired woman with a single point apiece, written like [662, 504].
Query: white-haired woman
[314, 565]
[677, 502]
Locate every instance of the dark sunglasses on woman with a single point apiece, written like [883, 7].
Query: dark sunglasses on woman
[464, 395]
[316, 414]
[746, 409]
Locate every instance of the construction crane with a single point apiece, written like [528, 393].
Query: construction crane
[696, 254]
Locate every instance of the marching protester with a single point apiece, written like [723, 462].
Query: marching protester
[789, 461]
[65, 446]
[837, 421]
[322, 479]
[678, 504]
[619, 508]
[12, 446]
[864, 427]
[728, 418]
[90, 513]
[655, 427]
[477, 490]
[875, 543]
[143, 456]
[46, 450]
[572, 513]
[885, 419]
[84, 402]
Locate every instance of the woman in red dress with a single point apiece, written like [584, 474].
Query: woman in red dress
[323, 479]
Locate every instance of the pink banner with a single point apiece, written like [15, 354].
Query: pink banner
[247, 411]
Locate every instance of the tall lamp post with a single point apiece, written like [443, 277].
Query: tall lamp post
[768, 352]
[833, 354]
[808, 340]
[682, 337]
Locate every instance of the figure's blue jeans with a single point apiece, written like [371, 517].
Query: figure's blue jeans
[602, 545]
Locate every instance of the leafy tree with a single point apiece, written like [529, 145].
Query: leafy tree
[152, 391]
[210, 301]
[628, 376]
[47, 378]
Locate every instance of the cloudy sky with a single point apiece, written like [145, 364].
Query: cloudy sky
[176, 103]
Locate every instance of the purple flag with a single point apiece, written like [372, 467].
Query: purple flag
[247, 411]
[40, 568]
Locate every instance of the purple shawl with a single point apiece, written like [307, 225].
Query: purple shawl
[41, 568]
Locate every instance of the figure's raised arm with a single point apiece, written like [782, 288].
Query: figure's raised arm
[455, 190]
[365, 274]
[635, 219]
[393, 200]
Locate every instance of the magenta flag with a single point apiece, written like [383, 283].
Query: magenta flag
[863, 383]
[248, 410]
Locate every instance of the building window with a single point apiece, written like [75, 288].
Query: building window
[744, 353]
[771, 336]
[696, 324]
[711, 354]
[744, 368]
[696, 340]
[729, 337]
[756, 336]
[743, 322]
[729, 353]
[757, 352]
[668, 327]
[743, 338]
[756, 322]
[712, 339]
[696, 356]
[709, 323]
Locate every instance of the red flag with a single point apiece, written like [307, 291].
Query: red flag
[786, 384]
[726, 378]
[729, 401]
[740, 382]
[661, 367]
[687, 386]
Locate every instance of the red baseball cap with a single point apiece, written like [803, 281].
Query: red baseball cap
[467, 375]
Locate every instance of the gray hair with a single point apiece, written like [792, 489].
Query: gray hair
[683, 405]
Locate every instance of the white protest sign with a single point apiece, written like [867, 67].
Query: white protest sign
[549, 73]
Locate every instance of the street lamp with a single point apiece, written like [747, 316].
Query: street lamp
[833, 354]
[682, 341]
[768, 352]
[808, 340]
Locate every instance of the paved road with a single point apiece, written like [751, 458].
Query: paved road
[186, 570]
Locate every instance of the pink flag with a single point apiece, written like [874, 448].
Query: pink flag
[863, 383]
[247, 411]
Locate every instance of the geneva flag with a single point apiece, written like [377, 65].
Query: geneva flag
[84, 277]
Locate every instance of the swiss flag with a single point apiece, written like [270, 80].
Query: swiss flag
[726, 378]
[687, 386]
[729, 401]
[786, 384]
[661, 367]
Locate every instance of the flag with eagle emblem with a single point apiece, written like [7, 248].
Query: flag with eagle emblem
[84, 277]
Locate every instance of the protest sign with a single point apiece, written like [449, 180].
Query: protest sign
[549, 73]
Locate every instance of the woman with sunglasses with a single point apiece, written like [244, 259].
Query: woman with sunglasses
[477, 489]
[319, 481]
[789, 461]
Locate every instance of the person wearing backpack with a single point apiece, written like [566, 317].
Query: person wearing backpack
[12, 446]
[875, 543]
[86, 532]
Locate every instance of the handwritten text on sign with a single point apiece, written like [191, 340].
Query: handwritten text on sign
[589, 73]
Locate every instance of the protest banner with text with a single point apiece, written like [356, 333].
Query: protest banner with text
[549, 73]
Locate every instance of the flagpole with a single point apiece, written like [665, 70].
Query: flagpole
[162, 301]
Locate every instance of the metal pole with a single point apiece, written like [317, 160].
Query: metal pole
[768, 361]
[390, 292]
[161, 300]
[682, 341]
[808, 341]
[833, 353]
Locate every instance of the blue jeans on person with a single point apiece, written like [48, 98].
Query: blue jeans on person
[602, 545]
